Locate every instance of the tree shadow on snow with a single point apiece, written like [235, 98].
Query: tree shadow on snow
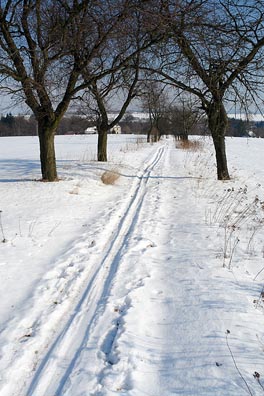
[101, 168]
[18, 170]
[23, 170]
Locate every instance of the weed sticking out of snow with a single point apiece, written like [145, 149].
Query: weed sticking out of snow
[259, 302]
[198, 159]
[235, 363]
[2, 228]
[137, 144]
[190, 145]
[241, 217]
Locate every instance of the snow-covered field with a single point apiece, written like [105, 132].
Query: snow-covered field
[150, 286]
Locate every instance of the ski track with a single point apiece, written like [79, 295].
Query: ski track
[58, 363]
[143, 321]
[150, 340]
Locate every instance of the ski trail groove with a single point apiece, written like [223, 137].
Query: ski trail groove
[59, 361]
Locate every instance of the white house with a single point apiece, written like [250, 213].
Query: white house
[251, 134]
[116, 129]
[90, 130]
[93, 130]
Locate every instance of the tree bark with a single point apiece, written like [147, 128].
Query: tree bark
[185, 135]
[217, 122]
[46, 135]
[102, 145]
[148, 136]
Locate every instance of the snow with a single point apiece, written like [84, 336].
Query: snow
[150, 286]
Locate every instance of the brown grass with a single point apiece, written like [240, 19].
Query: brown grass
[110, 177]
[191, 145]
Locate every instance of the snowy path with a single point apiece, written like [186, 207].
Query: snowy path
[59, 362]
[151, 303]
[160, 330]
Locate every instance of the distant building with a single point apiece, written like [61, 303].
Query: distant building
[90, 130]
[116, 130]
[251, 134]
[93, 130]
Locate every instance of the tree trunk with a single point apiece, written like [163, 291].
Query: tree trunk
[47, 152]
[102, 145]
[148, 136]
[185, 136]
[217, 122]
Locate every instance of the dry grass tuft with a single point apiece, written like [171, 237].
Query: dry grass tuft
[110, 177]
[191, 145]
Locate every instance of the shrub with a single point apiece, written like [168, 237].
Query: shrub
[110, 177]
[191, 145]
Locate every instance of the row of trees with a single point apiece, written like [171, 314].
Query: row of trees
[27, 126]
[19, 126]
[54, 53]
[180, 121]
[173, 121]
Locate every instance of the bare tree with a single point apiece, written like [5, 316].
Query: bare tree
[123, 57]
[101, 94]
[44, 46]
[154, 101]
[185, 116]
[213, 50]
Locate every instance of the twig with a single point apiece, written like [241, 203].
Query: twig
[19, 226]
[249, 246]
[2, 229]
[234, 361]
[261, 297]
[54, 228]
[232, 252]
[31, 227]
[258, 273]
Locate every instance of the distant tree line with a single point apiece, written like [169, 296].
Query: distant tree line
[11, 125]
[244, 128]
[174, 121]
[17, 126]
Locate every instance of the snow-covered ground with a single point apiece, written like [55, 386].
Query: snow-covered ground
[150, 286]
